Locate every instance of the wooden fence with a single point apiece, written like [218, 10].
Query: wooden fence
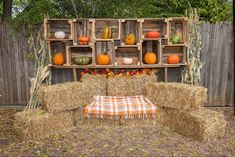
[217, 72]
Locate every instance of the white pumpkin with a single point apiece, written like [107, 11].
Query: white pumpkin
[60, 35]
[127, 60]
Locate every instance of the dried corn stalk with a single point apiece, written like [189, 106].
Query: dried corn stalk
[38, 48]
[191, 73]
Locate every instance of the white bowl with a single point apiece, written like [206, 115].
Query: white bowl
[127, 60]
[59, 35]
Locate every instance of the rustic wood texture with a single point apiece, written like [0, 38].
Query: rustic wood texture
[218, 58]
[15, 68]
[217, 72]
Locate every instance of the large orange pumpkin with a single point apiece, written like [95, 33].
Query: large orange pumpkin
[173, 59]
[150, 58]
[103, 59]
[58, 58]
[130, 39]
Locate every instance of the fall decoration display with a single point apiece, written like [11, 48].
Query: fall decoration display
[173, 59]
[152, 34]
[83, 40]
[58, 58]
[150, 58]
[130, 39]
[103, 59]
[107, 33]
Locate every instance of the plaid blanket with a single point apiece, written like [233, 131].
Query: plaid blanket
[115, 107]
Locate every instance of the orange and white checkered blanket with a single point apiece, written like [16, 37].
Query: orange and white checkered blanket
[115, 107]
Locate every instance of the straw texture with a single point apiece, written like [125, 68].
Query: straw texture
[177, 95]
[202, 124]
[67, 96]
[39, 124]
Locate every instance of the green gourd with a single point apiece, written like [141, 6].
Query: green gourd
[175, 39]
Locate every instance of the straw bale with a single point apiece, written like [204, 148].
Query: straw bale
[139, 83]
[67, 96]
[99, 82]
[177, 95]
[202, 124]
[39, 124]
[119, 86]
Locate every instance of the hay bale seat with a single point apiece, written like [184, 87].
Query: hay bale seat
[177, 95]
[39, 124]
[202, 124]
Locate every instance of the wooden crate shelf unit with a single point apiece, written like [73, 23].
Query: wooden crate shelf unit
[174, 50]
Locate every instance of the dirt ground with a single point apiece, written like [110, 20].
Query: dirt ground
[140, 140]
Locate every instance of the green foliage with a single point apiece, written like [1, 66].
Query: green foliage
[33, 11]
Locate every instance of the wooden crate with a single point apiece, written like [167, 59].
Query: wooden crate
[53, 25]
[153, 24]
[129, 52]
[151, 46]
[174, 50]
[180, 24]
[100, 24]
[130, 26]
[79, 51]
[82, 27]
[104, 46]
[57, 46]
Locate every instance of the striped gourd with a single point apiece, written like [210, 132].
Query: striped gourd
[107, 33]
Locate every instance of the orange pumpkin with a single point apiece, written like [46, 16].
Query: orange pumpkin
[83, 40]
[103, 59]
[173, 59]
[58, 58]
[130, 39]
[150, 58]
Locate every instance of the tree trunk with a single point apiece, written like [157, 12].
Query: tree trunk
[7, 10]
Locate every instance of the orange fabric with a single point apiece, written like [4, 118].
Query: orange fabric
[120, 106]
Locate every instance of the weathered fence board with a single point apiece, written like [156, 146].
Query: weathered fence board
[217, 73]
[218, 58]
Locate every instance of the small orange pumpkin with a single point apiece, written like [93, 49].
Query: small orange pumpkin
[83, 40]
[130, 39]
[58, 58]
[150, 58]
[103, 59]
[173, 59]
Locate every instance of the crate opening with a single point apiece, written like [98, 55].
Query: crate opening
[54, 26]
[101, 24]
[177, 32]
[174, 50]
[154, 25]
[130, 27]
[82, 28]
[57, 47]
[81, 55]
[127, 56]
[102, 47]
[151, 46]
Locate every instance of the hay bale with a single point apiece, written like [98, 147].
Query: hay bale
[119, 86]
[67, 96]
[41, 124]
[139, 83]
[99, 82]
[177, 95]
[202, 124]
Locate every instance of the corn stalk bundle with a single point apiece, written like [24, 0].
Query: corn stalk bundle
[38, 48]
[191, 73]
